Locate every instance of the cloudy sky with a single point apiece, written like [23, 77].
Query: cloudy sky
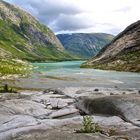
[69, 16]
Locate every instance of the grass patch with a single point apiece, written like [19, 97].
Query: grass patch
[88, 126]
[7, 89]
[11, 67]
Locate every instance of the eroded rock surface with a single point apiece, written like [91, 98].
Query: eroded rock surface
[55, 115]
[125, 106]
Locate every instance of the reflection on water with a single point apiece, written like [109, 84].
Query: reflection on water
[69, 73]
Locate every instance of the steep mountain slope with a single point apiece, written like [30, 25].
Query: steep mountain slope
[122, 54]
[84, 44]
[23, 37]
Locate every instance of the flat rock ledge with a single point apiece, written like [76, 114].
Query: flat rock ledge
[55, 114]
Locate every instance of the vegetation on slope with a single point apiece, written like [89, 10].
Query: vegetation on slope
[125, 62]
[121, 54]
[23, 37]
[84, 44]
[13, 67]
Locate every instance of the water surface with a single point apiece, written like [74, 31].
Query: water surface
[69, 74]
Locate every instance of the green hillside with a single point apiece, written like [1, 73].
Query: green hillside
[23, 37]
[84, 44]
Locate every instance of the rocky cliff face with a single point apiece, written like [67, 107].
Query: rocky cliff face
[83, 44]
[122, 54]
[22, 36]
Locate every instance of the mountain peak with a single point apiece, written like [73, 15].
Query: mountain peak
[84, 44]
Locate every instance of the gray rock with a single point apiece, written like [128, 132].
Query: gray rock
[34, 118]
[16, 121]
[96, 89]
[126, 106]
[53, 91]
[64, 112]
[22, 106]
[57, 135]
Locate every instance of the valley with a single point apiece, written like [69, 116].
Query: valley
[63, 78]
[84, 45]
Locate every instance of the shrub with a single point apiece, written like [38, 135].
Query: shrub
[6, 88]
[13, 67]
[88, 126]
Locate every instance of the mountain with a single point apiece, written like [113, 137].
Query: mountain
[84, 44]
[122, 54]
[23, 37]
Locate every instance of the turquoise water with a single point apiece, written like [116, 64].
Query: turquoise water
[69, 73]
[52, 67]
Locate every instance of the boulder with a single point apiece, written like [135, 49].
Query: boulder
[125, 106]
[53, 91]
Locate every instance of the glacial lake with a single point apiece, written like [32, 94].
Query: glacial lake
[69, 74]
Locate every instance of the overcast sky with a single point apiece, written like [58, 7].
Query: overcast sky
[69, 16]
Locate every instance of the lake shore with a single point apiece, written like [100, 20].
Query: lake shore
[51, 102]
[57, 113]
[69, 74]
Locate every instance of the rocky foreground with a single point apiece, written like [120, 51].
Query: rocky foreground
[55, 114]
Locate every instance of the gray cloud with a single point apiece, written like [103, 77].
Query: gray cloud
[70, 23]
[82, 16]
[59, 15]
